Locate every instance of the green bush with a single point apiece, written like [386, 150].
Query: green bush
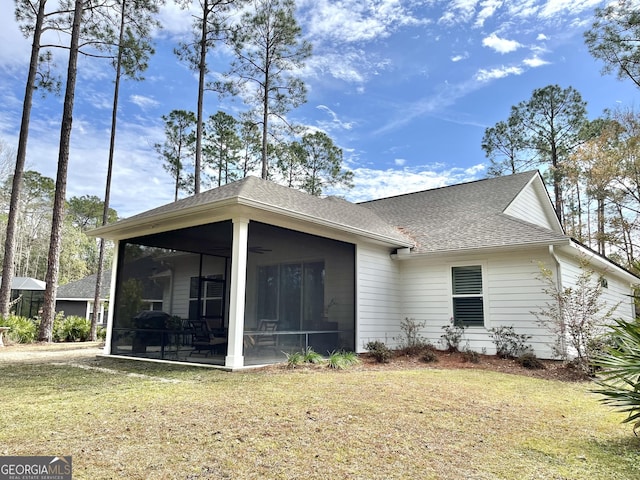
[294, 359]
[379, 351]
[71, 329]
[311, 356]
[509, 344]
[101, 333]
[342, 360]
[23, 329]
[619, 371]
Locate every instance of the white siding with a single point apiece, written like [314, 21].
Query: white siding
[378, 296]
[511, 292]
[618, 293]
[528, 206]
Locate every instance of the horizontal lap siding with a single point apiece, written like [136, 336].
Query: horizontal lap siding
[378, 296]
[528, 207]
[511, 290]
[515, 292]
[618, 292]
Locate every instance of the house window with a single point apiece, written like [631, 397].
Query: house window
[468, 302]
[206, 296]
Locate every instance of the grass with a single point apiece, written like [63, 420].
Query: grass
[121, 419]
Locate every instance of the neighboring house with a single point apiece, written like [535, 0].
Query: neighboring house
[269, 269]
[77, 298]
[27, 296]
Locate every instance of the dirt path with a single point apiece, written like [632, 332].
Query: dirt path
[49, 352]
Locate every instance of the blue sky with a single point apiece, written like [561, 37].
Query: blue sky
[405, 88]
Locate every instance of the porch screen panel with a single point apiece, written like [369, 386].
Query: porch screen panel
[290, 301]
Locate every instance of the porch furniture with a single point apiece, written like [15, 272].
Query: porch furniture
[203, 340]
[267, 337]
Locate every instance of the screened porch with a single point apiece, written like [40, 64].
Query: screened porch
[174, 295]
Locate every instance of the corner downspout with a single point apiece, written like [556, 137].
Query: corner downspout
[558, 272]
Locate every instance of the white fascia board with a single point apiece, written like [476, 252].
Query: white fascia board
[163, 222]
[220, 211]
[479, 250]
[603, 263]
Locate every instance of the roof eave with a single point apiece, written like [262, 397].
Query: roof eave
[193, 216]
[480, 250]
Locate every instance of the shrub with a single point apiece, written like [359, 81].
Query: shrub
[530, 361]
[452, 337]
[23, 329]
[294, 359]
[619, 375]
[101, 333]
[576, 316]
[311, 356]
[379, 351]
[429, 355]
[342, 360]
[470, 356]
[509, 344]
[71, 329]
[411, 342]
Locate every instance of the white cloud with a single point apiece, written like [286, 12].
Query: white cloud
[534, 62]
[500, 45]
[488, 8]
[555, 8]
[458, 11]
[143, 102]
[335, 123]
[399, 162]
[371, 184]
[460, 57]
[484, 75]
[355, 20]
[541, 37]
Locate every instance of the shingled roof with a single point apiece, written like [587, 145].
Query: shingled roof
[84, 289]
[464, 216]
[272, 198]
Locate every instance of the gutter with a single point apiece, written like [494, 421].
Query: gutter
[406, 253]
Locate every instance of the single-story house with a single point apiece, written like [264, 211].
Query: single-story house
[27, 296]
[77, 298]
[263, 269]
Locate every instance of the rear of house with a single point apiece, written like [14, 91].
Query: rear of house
[242, 274]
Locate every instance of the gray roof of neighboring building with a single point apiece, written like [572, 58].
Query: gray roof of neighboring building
[26, 283]
[464, 216]
[84, 289]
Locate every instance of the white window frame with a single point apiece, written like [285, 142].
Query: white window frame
[482, 295]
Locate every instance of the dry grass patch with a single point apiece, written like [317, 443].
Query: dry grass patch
[310, 423]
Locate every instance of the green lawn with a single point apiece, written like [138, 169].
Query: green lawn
[134, 420]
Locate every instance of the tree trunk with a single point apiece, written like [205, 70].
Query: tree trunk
[14, 206]
[53, 260]
[107, 190]
[201, 77]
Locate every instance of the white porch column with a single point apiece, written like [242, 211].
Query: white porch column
[112, 296]
[235, 359]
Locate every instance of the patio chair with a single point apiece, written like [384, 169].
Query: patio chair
[203, 341]
[265, 340]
